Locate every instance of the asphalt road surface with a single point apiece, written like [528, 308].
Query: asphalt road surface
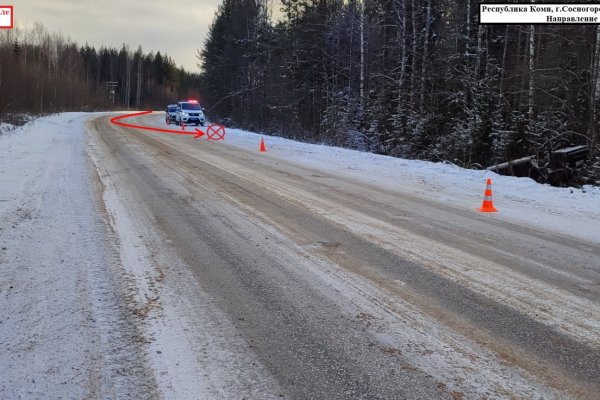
[297, 283]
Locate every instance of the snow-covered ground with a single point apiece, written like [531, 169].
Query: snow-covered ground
[565, 211]
[6, 127]
[63, 328]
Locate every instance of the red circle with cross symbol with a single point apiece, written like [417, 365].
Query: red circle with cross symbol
[215, 132]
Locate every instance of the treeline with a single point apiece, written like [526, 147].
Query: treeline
[42, 73]
[411, 78]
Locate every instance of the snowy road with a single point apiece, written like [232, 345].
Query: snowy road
[200, 269]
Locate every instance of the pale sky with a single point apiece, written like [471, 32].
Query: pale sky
[175, 27]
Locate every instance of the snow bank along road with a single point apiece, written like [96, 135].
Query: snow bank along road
[146, 265]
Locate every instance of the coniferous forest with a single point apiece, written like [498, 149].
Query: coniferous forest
[43, 72]
[411, 78]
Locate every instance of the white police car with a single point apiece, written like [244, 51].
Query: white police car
[189, 112]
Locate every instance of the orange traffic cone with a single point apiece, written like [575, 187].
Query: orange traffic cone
[262, 147]
[182, 126]
[488, 204]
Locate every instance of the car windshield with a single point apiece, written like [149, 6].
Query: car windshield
[172, 109]
[190, 106]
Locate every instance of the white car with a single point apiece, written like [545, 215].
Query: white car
[189, 112]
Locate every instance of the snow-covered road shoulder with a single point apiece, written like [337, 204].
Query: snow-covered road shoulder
[63, 332]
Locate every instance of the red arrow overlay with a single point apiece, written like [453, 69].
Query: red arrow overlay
[116, 121]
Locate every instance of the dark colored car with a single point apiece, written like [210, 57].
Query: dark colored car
[171, 113]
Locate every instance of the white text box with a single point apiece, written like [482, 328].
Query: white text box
[6, 17]
[539, 13]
